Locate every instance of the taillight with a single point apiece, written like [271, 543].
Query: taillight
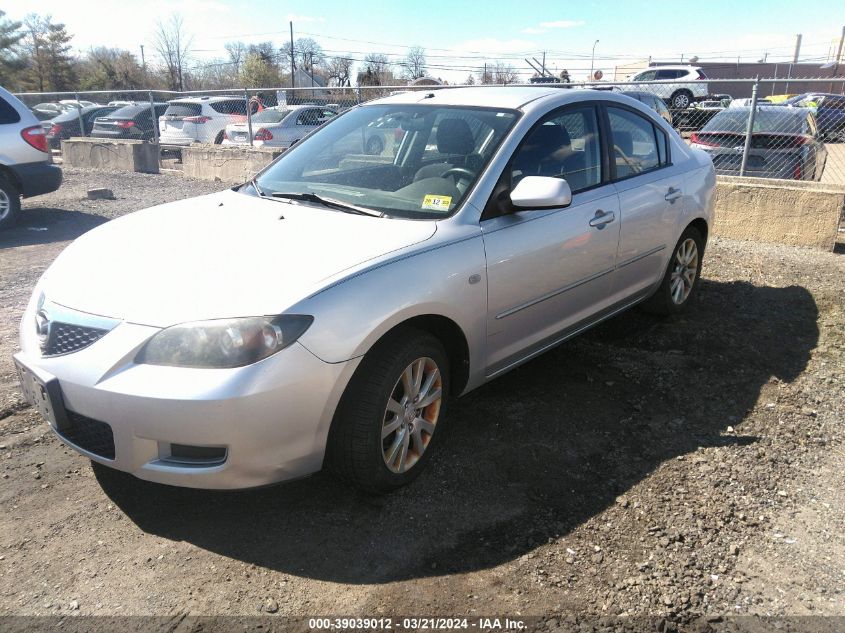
[793, 141]
[695, 138]
[263, 135]
[125, 124]
[197, 119]
[796, 172]
[225, 135]
[55, 129]
[35, 137]
[398, 133]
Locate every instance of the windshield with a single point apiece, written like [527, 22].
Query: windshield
[410, 161]
[771, 119]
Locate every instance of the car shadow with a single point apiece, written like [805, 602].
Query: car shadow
[528, 457]
[45, 225]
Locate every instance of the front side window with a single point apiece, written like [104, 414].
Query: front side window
[634, 143]
[669, 74]
[562, 145]
[432, 155]
[646, 76]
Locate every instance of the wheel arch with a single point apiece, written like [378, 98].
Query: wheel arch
[10, 176]
[450, 335]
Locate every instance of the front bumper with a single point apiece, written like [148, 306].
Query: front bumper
[272, 418]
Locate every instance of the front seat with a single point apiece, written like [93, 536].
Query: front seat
[454, 138]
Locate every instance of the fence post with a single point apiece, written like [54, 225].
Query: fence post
[155, 128]
[79, 115]
[750, 128]
[248, 116]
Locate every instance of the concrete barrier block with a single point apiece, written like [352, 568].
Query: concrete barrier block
[226, 163]
[778, 211]
[96, 153]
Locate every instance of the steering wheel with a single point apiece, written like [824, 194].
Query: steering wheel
[458, 171]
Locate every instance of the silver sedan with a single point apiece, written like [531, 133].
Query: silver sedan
[279, 126]
[325, 313]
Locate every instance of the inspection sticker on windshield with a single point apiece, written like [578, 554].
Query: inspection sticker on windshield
[436, 203]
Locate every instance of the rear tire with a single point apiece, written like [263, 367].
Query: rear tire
[390, 417]
[10, 203]
[218, 140]
[681, 277]
[375, 146]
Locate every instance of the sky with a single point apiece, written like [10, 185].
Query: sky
[460, 36]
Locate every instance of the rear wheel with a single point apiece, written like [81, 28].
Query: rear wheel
[10, 203]
[219, 138]
[391, 413]
[681, 277]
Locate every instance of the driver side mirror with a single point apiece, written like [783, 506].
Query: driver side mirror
[535, 192]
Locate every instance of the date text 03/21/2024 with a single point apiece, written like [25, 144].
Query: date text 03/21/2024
[418, 623]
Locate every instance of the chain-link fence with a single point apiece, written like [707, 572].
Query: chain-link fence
[749, 127]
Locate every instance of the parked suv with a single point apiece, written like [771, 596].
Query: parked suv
[25, 161]
[680, 85]
[199, 119]
[829, 110]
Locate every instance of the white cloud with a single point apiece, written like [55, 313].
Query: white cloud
[562, 24]
[532, 30]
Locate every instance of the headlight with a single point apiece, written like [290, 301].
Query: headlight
[223, 343]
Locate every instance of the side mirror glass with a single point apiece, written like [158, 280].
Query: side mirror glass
[536, 192]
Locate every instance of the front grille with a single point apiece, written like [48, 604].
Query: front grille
[89, 435]
[66, 338]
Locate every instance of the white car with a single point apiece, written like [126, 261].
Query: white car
[678, 86]
[199, 119]
[326, 312]
[279, 126]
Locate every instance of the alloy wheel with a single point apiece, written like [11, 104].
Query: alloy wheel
[411, 415]
[5, 204]
[684, 271]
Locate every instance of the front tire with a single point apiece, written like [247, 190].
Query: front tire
[680, 100]
[681, 278]
[374, 146]
[390, 417]
[10, 204]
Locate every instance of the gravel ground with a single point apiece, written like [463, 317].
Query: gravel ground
[688, 469]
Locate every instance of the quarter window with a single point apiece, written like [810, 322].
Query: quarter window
[7, 113]
[635, 147]
[562, 145]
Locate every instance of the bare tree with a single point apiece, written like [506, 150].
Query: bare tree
[414, 63]
[237, 54]
[339, 69]
[378, 68]
[308, 53]
[504, 73]
[173, 45]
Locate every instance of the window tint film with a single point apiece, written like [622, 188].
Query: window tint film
[564, 145]
[634, 144]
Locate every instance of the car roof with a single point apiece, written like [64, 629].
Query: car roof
[637, 94]
[72, 113]
[508, 97]
[214, 99]
[672, 67]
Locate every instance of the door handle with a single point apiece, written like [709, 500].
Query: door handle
[602, 219]
[672, 195]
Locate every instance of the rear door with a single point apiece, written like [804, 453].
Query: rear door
[650, 190]
[176, 120]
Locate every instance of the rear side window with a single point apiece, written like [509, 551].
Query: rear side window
[234, 106]
[634, 143]
[179, 109]
[7, 113]
[669, 74]
[701, 74]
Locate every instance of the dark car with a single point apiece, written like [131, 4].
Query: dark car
[829, 110]
[66, 125]
[652, 101]
[129, 122]
[785, 143]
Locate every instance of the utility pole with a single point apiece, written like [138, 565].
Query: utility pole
[292, 60]
[794, 61]
[593, 59]
[836, 60]
[143, 61]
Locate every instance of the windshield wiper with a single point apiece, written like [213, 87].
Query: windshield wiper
[327, 202]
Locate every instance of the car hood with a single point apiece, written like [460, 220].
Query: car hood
[218, 256]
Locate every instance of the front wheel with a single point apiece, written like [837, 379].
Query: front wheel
[681, 277]
[391, 414]
[375, 145]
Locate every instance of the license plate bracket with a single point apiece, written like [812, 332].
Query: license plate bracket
[45, 394]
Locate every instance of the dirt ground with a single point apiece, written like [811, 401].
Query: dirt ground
[688, 469]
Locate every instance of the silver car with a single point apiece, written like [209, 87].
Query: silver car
[279, 126]
[325, 314]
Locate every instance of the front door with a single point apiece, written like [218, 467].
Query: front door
[550, 269]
